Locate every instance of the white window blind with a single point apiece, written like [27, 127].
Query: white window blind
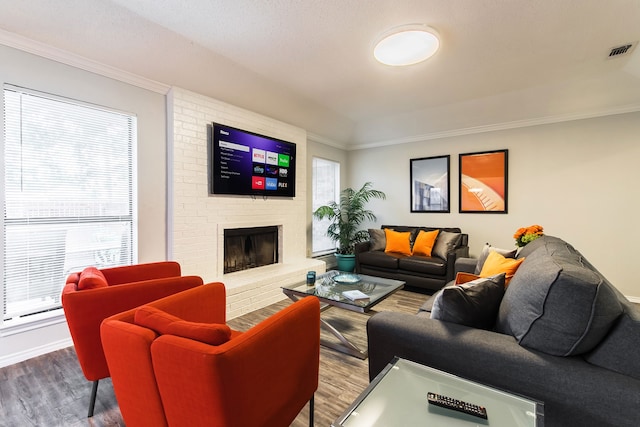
[325, 189]
[68, 195]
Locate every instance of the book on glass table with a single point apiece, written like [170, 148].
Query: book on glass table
[356, 296]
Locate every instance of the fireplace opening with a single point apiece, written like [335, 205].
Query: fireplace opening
[246, 248]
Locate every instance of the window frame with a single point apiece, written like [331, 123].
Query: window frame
[315, 204]
[54, 314]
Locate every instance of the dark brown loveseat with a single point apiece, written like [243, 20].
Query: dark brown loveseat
[429, 273]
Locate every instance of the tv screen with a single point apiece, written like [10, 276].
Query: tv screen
[245, 163]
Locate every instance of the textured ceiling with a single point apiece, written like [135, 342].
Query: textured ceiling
[309, 63]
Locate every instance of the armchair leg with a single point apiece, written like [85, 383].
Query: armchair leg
[311, 410]
[92, 401]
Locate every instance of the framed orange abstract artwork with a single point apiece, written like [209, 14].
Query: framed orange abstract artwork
[483, 182]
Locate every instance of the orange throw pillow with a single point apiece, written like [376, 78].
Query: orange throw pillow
[208, 333]
[462, 278]
[398, 242]
[91, 278]
[153, 318]
[165, 323]
[496, 264]
[424, 242]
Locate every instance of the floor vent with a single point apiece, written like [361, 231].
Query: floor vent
[620, 50]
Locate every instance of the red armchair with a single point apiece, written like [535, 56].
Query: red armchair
[261, 377]
[93, 295]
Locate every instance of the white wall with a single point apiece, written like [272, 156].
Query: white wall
[34, 72]
[577, 179]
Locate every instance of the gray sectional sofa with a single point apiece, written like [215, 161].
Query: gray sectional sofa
[418, 272]
[562, 335]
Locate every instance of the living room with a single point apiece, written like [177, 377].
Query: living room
[569, 168]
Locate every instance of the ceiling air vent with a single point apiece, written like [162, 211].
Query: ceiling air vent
[620, 50]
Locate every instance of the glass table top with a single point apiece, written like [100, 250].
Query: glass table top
[398, 397]
[332, 285]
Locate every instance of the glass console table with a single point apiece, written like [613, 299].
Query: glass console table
[398, 397]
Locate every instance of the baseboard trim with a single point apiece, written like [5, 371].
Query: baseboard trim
[14, 358]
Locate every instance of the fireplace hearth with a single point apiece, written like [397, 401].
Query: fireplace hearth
[251, 247]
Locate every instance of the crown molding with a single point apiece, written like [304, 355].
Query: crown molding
[326, 141]
[59, 55]
[500, 126]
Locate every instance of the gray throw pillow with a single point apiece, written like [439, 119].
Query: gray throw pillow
[473, 304]
[486, 249]
[445, 243]
[378, 239]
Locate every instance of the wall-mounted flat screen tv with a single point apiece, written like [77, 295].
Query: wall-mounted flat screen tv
[246, 163]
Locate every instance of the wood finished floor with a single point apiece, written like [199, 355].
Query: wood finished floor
[50, 390]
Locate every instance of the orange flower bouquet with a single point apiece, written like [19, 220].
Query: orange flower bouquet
[527, 235]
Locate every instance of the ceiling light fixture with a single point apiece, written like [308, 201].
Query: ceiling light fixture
[406, 45]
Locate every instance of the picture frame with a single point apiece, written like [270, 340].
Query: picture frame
[430, 184]
[483, 182]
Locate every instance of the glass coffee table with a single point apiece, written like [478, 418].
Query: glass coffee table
[330, 288]
[398, 397]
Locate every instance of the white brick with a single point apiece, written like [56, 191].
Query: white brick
[198, 218]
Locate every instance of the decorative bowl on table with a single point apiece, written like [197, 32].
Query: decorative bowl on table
[346, 279]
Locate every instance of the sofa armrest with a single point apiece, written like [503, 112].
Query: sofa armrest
[570, 388]
[452, 257]
[127, 348]
[360, 248]
[465, 265]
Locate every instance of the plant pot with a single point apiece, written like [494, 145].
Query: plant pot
[346, 263]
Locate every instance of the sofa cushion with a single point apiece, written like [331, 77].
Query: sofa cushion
[398, 242]
[91, 278]
[377, 239]
[473, 304]
[423, 244]
[379, 259]
[423, 264]
[486, 249]
[445, 243]
[557, 302]
[496, 264]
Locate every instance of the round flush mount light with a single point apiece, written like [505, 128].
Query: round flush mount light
[406, 45]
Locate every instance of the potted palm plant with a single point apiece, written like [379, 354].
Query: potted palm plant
[346, 216]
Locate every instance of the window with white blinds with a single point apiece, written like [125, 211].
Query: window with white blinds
[68, 195]
[325, 188]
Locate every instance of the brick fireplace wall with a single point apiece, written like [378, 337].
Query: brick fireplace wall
[196, 220]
